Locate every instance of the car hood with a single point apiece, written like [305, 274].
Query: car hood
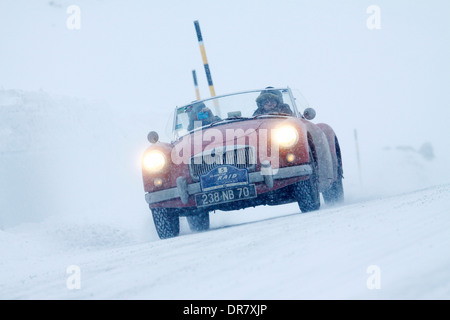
[229, 133]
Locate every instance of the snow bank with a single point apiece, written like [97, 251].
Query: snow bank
[66, 157]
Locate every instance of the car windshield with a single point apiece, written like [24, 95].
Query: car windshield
[267, 102]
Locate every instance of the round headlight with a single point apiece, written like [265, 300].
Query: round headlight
[154, 161]
[286, 136]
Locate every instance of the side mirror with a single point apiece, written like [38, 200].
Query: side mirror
[309, 113]
[152, 137]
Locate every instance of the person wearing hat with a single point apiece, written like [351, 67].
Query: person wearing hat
[200, 113]
[271, 102]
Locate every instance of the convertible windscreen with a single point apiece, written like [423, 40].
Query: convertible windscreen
[233, 107]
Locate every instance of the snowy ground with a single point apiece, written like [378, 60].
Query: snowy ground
[389, 248]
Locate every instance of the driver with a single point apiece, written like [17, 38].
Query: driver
[269, 103]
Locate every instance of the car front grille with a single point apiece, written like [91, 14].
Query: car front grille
[238, 156]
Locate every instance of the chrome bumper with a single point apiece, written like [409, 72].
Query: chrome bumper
[184, 190]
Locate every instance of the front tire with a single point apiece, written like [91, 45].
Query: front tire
[335, 194]
[307, 191]
[167, 222]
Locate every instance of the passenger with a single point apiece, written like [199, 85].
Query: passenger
[200, 113]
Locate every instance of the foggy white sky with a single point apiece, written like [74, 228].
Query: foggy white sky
[390, 84]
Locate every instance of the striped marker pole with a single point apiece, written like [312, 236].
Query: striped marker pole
[197, 91]
[205, 62]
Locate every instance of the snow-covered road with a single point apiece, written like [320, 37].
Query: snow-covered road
[388, 248]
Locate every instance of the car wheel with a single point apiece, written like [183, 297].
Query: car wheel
[167, 222]
[307, 191]
[199, 222]
[335, 194]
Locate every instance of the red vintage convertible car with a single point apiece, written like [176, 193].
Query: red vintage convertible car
[240, 150]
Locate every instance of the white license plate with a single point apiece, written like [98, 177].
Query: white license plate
[225, 195]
